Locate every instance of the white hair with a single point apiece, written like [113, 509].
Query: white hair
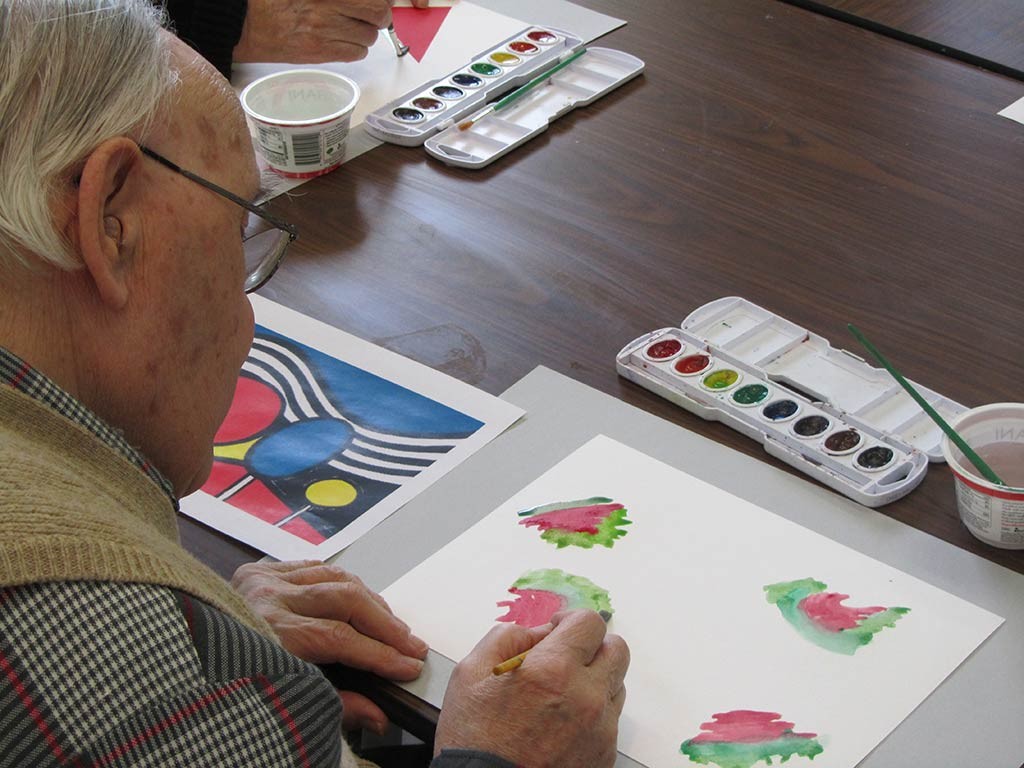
[73, 73]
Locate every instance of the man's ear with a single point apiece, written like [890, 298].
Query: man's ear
[109, 217]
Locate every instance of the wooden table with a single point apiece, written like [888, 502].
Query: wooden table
[822, 171]
[825, 172]
[987, 32]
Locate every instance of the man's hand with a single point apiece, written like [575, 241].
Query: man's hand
[560, 708]
[312, 31]
[324, 615]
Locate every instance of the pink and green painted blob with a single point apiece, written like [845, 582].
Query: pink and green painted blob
[743, 737]
[540, 594]
[820, 616]
[581, 523]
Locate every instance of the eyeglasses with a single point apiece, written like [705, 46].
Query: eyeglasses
[266, 237]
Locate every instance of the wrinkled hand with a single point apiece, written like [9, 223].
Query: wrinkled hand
[560, 708]
[325, 615]
[312, 31]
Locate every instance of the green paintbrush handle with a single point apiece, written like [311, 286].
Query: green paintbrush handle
[951, 433]
[502, 103]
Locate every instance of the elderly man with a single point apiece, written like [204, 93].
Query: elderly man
[125, 176]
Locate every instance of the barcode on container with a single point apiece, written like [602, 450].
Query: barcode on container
[306, 148]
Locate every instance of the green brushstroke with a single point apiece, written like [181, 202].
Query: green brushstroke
[608, 530]
[577, 590]
[787, 595]
[740, 755]
[593, 501]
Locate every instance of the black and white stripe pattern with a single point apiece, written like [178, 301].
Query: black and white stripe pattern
[375, 455]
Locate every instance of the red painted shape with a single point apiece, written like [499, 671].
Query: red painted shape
[222, 477]
[303, 530]
[574, 519]
[532, 607]
[417, 27]
[259, 501]
[253, 409]
[746, 726]
[826, 611]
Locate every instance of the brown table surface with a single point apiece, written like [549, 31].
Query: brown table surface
[825, 172]
[988, 30]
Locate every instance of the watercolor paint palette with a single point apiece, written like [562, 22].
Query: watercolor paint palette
[431, 113]
[822, 410]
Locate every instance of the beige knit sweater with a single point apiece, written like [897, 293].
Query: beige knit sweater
[72, 508]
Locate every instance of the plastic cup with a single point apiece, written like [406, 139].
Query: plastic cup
[993, 513]
[300, 119]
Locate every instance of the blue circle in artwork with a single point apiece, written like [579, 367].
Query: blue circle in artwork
[298, 447]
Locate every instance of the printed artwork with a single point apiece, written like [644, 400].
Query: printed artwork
[541, 594]
[821, 617]
[743, 737]
[311, 442]
[581, 523]
[328, 434]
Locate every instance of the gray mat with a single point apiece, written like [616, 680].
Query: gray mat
[974, 719]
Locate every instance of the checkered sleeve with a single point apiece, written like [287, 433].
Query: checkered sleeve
[104, 674]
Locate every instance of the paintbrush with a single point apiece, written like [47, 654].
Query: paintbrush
[516, 661]
[400, 48]
[518, 92]
[951, 433]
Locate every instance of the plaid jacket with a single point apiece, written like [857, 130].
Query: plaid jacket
[110, 674]
[117, 672]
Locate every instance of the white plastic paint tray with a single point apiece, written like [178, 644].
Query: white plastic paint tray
[407, 120]
[822, 410]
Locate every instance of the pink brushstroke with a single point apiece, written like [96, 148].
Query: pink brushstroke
[826, 611]
[574, 519]
[532, 607]
[746, 726]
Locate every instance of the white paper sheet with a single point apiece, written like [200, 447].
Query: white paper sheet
[1015, 111]
[686, 582]
[329, 434]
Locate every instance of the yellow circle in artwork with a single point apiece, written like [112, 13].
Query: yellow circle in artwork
[331, 493]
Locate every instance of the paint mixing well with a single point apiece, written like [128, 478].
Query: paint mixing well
[820, 409]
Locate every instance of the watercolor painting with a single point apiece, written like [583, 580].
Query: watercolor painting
[820, 616]
[312, 442]
[686, 585]
[580, 523]
[541, 594]
[743, 737]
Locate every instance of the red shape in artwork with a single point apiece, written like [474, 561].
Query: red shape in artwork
[299, 527]
[417, 27]
[532, 607]
[825, 610]
[253, 409]
[258, 500]
[222, 477]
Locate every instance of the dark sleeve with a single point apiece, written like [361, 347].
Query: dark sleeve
[212, 27]
[468, 758]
